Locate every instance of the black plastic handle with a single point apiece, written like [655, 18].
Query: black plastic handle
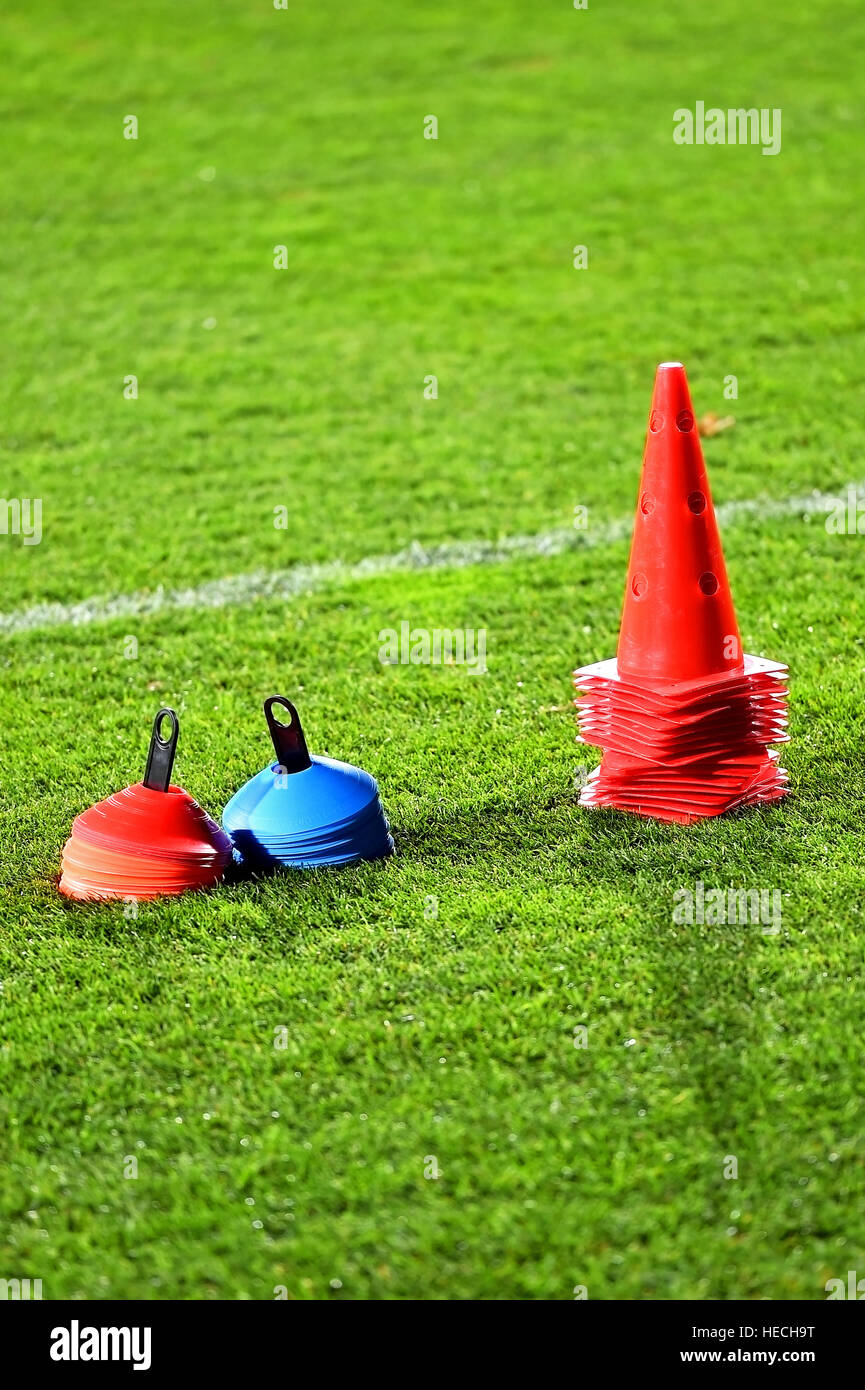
[288, 740]
[160, 756]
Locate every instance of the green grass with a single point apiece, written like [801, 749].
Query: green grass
[411, 1034]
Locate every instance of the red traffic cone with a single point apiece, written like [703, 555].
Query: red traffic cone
[684, 718]
[678, 621]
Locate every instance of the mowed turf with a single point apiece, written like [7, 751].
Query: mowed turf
[424, 1008]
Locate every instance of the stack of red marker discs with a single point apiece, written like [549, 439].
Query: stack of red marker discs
[147, 840]
[685, 719]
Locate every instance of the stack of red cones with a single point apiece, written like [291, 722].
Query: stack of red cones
[684, 718]
[148, 840]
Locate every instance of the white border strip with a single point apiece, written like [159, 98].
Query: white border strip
[238, 590]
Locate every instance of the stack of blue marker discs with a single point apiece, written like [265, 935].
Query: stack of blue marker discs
[305, 812]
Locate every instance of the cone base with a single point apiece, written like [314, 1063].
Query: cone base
[683, 751]
[685, 802]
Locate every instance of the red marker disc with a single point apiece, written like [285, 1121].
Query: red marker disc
[147, 840]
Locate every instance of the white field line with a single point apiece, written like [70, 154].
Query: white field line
[236, 590]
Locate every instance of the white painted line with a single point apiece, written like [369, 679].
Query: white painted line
[240, 589]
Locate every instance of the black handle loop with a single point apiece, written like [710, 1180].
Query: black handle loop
[288, 740]
[160, 756]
